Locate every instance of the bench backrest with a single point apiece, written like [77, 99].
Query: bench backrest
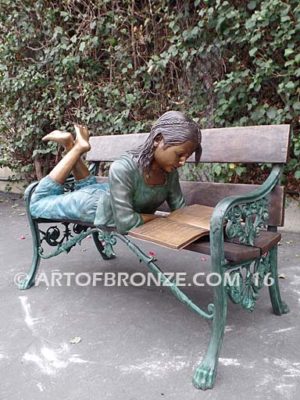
[266, 144]
[252, 144]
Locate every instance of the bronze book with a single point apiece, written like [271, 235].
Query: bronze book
[178, 229]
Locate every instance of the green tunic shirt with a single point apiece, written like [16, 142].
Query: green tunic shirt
[129, 196]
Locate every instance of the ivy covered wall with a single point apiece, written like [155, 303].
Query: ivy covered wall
[117, 65]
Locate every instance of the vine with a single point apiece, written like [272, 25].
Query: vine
[117, 65]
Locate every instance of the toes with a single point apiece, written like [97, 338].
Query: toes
[62, 137]
[45, 138]
[82, 137]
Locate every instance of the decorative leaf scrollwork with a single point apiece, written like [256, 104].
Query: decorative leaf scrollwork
[235, 288]
[54, 236]
[66, 247]
[51, 236]
[262, 270]
[69, 185]
[79, 228]
[63, 238]
[108, 240]
[244, 221]
[244, 282]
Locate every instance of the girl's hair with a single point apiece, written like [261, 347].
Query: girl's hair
[175, 128]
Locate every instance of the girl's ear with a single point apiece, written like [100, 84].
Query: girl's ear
[157, 140]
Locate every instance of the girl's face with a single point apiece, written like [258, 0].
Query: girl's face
[170, 158]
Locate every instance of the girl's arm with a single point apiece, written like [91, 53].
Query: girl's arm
[175, 197]
[122, 186]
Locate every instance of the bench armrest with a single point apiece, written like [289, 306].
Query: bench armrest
[29, 191]
[243, 216]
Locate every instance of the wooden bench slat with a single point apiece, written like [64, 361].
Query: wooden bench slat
[210, 193]
[237, 252]
[266, 144]
[233, 252]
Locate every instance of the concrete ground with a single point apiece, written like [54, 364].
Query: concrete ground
[67, 339]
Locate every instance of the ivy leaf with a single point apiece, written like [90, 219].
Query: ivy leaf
[82, 46]
[253, 51]
[296, 106]
[289, 85]
[288, 52]
[251, 5]
[58, 30]
[271, 113]
[217, 169]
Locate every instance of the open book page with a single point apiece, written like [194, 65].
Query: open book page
[195, 215]
[167, 233]
[178, 229]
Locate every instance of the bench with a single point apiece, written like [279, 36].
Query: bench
[243, 237]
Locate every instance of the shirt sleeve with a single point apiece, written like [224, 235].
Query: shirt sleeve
[175, 197]
[122, 187]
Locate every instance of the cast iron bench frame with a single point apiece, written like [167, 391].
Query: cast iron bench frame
[247, 247]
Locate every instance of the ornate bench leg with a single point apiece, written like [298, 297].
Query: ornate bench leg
[205, 374]
[29, 280]
[279, 307]
[100, 247]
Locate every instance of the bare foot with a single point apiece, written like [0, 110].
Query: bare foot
[61, 137]
[82, 137]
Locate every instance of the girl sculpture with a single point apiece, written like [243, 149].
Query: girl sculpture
[139, 182]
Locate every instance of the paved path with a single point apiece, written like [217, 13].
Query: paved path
[134, 342]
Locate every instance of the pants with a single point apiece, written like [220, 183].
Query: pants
[49, 200]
